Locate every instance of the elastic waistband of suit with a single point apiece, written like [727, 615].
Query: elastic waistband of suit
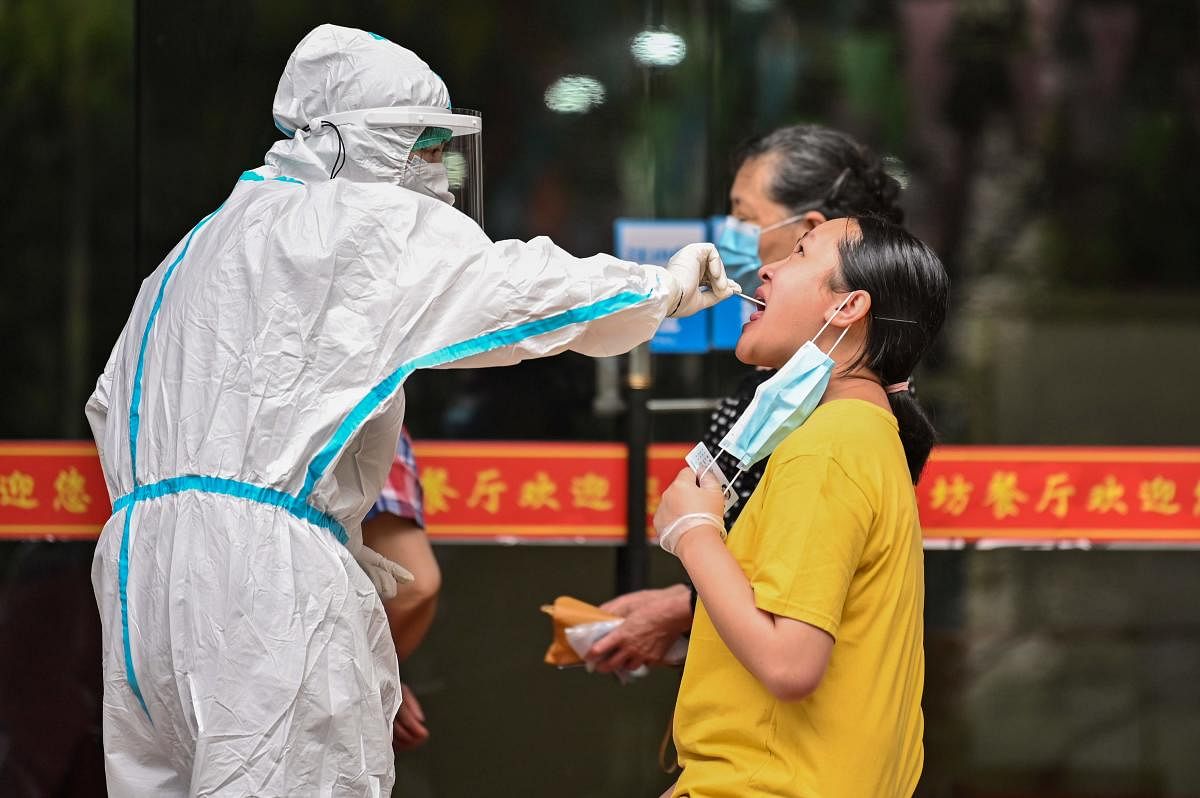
[231, 487]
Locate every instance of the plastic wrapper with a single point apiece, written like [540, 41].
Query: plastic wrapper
[579, 625]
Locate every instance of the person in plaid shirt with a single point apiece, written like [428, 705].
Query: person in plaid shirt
[395, 527]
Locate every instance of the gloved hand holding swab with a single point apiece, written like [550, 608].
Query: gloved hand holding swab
[749, 298]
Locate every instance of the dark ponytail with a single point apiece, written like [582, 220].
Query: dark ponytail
[825, 170]
[909, 292]
[916, 430]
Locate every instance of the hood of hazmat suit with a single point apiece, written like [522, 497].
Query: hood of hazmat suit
[247, 417]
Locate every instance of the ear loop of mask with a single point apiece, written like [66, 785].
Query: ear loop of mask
[725, 491]
[826, 325]
[784, 223]
[341, 156]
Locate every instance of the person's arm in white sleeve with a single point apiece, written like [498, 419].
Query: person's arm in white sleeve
[499, 303]
[615, 304]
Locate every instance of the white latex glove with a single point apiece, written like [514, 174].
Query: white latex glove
[691, 267]
[684, 506]
[668, 538]
[386, 575]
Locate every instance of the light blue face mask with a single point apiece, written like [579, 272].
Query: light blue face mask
[738, 247]
[782, 403]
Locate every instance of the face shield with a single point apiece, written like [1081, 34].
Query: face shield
[462, 156]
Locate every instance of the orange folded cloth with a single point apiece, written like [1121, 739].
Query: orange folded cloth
[566, 612]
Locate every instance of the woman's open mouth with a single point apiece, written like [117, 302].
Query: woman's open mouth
[762, 300]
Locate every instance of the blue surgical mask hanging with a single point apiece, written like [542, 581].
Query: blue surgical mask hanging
[738, 247]
[782, 403]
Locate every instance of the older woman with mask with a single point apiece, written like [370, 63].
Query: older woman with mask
[786, 183]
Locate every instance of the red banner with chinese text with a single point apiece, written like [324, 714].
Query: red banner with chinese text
[51, 489]
[1131, 495]
[575, 492]
[510, 492]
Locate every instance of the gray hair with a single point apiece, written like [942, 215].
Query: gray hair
[825, 170]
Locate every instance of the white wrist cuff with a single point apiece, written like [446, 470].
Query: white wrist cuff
[669, 538]
[675, 293]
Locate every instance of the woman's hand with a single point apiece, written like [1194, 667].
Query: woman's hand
[408, 730]
[684, 496]
[686, 505]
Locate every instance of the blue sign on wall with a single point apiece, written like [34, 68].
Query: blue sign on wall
[655, 241]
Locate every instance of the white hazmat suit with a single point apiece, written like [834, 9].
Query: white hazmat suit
[249, 412]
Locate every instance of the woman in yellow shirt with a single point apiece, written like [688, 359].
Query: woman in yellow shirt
[806, 662]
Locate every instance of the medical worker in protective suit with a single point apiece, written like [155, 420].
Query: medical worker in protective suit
[248, 415]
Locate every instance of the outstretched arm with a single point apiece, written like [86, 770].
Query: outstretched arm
[485, 303]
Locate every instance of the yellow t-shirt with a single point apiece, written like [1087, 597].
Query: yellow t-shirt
[830, 537]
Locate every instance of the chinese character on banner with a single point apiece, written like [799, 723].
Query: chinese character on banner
[1003, 495]
[1196, 511]
[487, 490]
[591, 492]
[952, 496]
[539, 493]
[1058, 492]
[1158, 496]
[71, 491]
[435, 484]
[1107, 497]
[16, 490]
[654, 495]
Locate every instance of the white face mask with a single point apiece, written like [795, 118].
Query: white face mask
[430, 179]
